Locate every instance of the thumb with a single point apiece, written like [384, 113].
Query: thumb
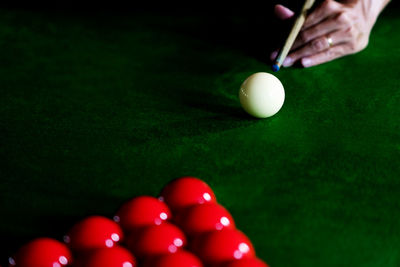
[282, 12]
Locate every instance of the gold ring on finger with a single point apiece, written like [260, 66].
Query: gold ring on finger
[329, 40]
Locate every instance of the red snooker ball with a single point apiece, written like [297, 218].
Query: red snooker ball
[92, 233]
[181, 258]
[217, 247]
[156, 240]
[142, 211]
[249, 262]
[42, 252]
[199, 219]
[110, 257]
[186, 191]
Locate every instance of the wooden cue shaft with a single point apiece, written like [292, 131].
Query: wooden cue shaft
[294, 32]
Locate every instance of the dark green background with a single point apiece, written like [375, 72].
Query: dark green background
[98, 107]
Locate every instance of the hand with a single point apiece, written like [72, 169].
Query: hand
[334, 29]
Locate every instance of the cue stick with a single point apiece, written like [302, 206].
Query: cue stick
[301, 18]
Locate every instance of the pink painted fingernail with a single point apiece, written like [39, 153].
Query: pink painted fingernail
[306, 62]
[287, 62]
[273, 55]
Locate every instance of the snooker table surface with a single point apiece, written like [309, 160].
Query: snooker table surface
[96, 109]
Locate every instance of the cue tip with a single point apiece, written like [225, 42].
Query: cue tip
[275, 67]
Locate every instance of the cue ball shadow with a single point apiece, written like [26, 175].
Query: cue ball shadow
[218, 104]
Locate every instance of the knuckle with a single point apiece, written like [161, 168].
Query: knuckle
[343, 18]
[329, 53]
[346, 18]
[318, 44]
[329, 5]
[332, 53]
[351, 32]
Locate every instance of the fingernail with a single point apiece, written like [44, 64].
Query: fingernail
[287, 62]
[273, 55]
[306, 62]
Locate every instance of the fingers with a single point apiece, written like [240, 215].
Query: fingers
[321, 29]
[327, 9]
[327, 55]
[331, 21]
[318, 45]
[283, 13]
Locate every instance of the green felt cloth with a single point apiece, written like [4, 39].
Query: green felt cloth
[96, 109]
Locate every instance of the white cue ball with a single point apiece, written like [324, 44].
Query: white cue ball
[262, 95]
